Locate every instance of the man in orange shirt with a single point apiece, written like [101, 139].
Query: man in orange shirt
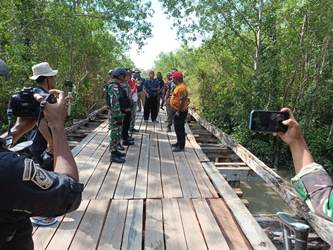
[179, 102]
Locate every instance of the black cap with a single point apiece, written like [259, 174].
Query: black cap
[4, 71]
[116, 72]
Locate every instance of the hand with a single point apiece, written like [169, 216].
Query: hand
[294, 134]
[56, 113]
[177, 113]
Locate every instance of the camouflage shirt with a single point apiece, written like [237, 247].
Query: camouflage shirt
[315, 188]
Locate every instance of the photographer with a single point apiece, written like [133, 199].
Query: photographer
[312, 182]
[28, 190]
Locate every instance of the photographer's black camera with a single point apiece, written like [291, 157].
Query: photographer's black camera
[23, 103]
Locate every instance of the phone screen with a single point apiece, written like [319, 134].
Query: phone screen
[268, 121]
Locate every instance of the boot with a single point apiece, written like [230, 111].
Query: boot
[118, 153]
[128, 143]
[120, 147]
[116, 158]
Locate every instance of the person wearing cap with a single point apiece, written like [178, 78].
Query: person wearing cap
[115, 115]
[28, 190]
[179, 102]
[126, 105]
[312, 183]
[169, 88]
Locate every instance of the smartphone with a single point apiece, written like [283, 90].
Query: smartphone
[268, 121]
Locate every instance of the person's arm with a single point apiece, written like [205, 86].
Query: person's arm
[294, 138]
[21, 127]
[55, 115]
[44, 130]
[145, 86]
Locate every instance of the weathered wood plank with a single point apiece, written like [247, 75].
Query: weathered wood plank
[238, 173]
[43, 235]
[193, 234]
[201, 155]
[113, 229]
[154, 236]
[210, 229]
[173, 228]
[96, 180]
[64, 235]
[205, 186]
[132, 238]
[126, 183]
[90, 227]
[142, 175]
[170, 179]
[245, 220]
[231, 231]
[154, 189]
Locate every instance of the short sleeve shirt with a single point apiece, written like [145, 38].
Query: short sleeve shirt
[28, 190]
[179, 95]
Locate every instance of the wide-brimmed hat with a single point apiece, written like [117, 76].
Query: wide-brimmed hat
[42, 69]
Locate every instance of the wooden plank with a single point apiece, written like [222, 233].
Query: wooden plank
[205, 186]
[110, 182]
[142, 175]
[187, 181]
[77, 149]
[87, 167]
[64, 235]
[170, 179]
[173, 228]
[154, 225]
[43, 235]
[154, 189]
[96, 180]
[201, 155]
[193, 234]
[210, 229]
[133, 227]
[113, 229]
[231, 231]
[90, 227]
[229, 164]
[245, 220]
[126, 183]
[323, 227]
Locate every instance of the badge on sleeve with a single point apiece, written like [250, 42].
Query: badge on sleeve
[32, 172]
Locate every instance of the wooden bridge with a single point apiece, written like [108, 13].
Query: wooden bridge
[157, 199]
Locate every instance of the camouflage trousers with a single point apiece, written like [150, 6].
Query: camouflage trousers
[114, 134]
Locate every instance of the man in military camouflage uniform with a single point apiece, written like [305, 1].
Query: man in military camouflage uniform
[115, 114]
[312, 182]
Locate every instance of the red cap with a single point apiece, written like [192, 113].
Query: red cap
[177, 75]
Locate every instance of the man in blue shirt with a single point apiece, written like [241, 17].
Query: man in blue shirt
[151, 89]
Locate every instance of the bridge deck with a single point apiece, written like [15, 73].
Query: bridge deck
[157, 199]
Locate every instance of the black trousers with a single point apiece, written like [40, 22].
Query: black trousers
[151, 108]
[18, 237]
[179, 125]
[126, 125]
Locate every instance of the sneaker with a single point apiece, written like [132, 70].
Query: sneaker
[116, 158]
[174, 145]
[178, 149]
[134, 130]
[43, 221]
[128, 143]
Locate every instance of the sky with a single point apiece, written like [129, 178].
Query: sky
[164, 39]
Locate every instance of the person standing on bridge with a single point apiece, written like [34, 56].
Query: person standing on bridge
[312, 182]
[179, 103]
[139, 80]
[169, 88]
[115, 115]
[151, 89]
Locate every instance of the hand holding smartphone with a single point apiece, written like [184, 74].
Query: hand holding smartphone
[268, 121]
